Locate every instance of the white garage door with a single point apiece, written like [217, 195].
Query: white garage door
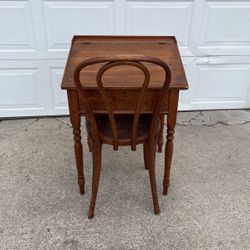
[213, 36]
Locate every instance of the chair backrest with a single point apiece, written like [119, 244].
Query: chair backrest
[110, 62]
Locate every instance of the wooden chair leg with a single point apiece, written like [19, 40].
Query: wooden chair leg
[145, 154]
[97, 155]
[160, 140]
[153, 178]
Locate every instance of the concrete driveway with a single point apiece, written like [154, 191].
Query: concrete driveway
[208, 205]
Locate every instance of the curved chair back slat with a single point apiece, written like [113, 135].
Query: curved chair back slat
[110, 62]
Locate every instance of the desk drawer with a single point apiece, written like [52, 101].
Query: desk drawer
[124, 101]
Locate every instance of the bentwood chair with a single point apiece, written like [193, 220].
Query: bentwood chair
[123, 129]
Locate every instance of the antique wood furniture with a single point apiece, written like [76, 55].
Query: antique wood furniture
[126, 55]
[122, 129]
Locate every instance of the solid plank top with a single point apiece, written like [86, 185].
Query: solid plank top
[163, 47]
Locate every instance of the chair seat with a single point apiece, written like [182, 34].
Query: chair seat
[124, 125]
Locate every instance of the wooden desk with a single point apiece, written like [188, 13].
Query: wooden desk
[124, 88]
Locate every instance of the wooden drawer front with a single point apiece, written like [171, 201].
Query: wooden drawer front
[124, 101]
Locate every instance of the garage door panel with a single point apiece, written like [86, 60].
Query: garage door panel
[221, 86]
[63, 19]
[161, 18]
[59, 97]
[16, 31]
[19, 88]
[225, 28]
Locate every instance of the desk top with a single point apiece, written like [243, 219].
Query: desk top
[163, 47]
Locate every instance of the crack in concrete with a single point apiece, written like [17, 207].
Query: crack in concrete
[246, 122]
[196, 116]
[65, 123]
[26, 126]
[211, 125]
[201, 119]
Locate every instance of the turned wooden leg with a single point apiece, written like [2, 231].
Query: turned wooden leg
[79, 158]
[145, 154]
[171, 121]
[168, 158]
[97, 155]
[76, 124]
[152, 154]
[160, 140]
